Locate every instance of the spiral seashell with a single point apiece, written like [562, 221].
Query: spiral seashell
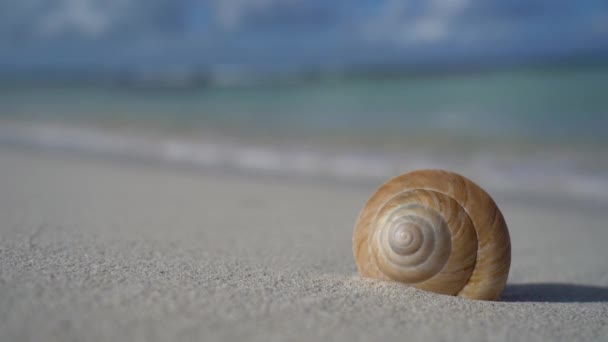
[437, 231]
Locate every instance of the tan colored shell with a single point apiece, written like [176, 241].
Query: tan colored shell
[437, 231]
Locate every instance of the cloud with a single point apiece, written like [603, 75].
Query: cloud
[43, 20]
[235, 15]
[428, 29]
[82, 16]
[520, 26]
[230, 14]
[599, 24]
[407, 22]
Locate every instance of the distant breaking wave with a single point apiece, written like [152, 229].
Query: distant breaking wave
[519, 175]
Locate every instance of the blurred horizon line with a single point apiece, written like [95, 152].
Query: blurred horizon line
[243, 75]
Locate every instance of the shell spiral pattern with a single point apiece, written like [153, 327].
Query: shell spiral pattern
[437, 231]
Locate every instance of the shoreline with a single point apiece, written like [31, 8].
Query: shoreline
[573, 175]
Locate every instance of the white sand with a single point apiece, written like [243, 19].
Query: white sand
[115, 251]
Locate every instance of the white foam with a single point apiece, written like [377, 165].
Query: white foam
[550, 176]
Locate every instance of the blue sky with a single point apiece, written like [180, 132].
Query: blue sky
[295, 33]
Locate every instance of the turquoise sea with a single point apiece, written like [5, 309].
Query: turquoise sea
[515, 129]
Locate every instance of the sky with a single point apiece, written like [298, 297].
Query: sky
[277, 34]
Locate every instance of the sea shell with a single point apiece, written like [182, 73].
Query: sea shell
[437, 231]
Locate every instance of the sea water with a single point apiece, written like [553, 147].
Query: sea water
[515, 129]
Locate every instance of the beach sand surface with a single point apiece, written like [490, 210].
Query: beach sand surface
[113, 250]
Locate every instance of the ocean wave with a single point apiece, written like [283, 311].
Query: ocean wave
[521, 175]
